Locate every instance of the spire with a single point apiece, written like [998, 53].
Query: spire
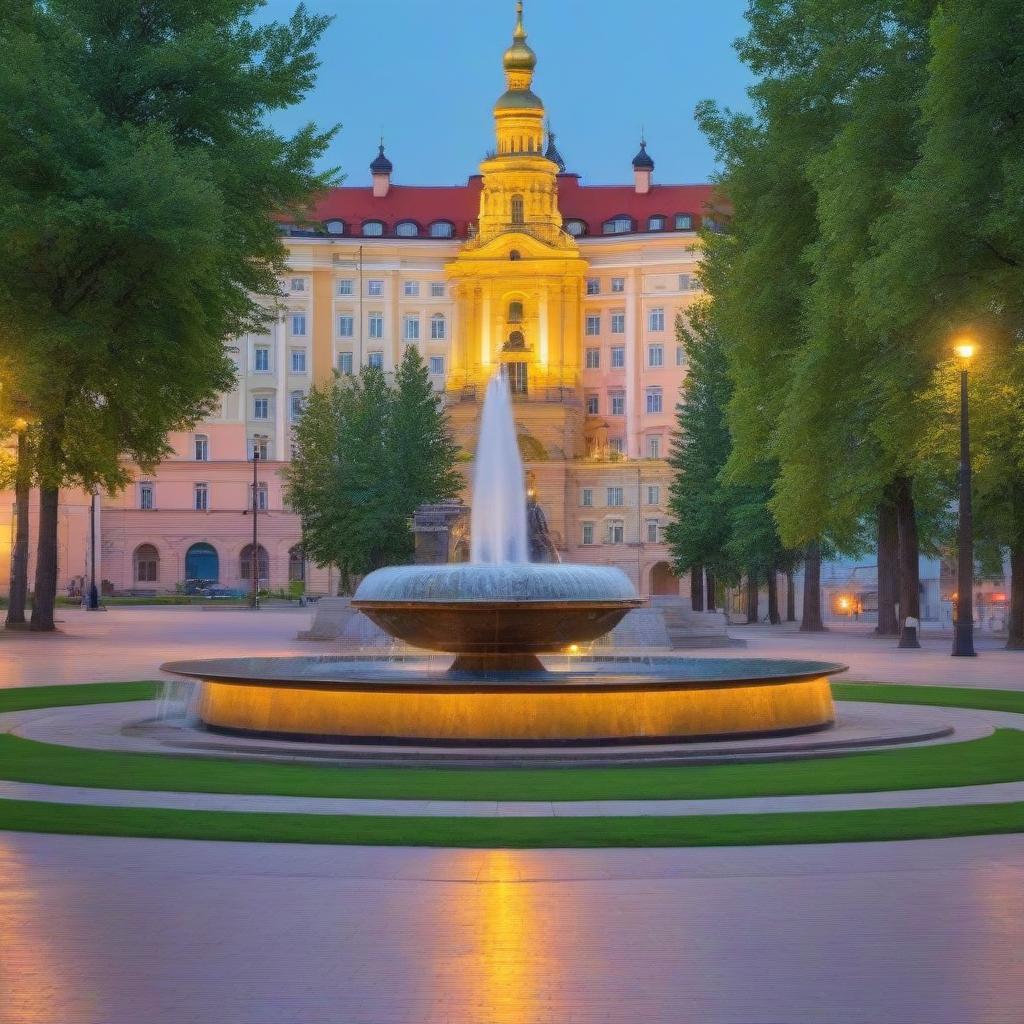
[519, 56]
[552, 153]
[381, 164]
[643, 161]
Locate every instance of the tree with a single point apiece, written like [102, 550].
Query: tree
[133, 248]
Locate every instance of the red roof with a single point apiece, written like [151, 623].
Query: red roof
[460, 204]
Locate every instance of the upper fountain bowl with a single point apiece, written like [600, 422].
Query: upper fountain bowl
[496, 616]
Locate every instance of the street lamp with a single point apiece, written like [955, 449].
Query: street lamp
[255, 600]
[963, 626]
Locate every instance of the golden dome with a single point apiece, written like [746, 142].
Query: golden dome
[519, 56]
[519, 99]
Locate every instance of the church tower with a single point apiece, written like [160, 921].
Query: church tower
[518, 282]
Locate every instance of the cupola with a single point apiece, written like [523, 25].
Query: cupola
[381, 171]
[643, 169]
[553, 155]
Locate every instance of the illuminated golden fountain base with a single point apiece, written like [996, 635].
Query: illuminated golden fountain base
[619, 703]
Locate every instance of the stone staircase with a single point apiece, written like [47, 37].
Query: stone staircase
[689, 630]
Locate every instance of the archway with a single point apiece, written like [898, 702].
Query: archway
[245, 563]
[663, 580]
[202, 563]
[147, 564]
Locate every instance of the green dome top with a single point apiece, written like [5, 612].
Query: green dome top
[519, 99]
[519, 56]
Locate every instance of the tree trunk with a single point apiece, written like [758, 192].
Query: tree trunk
[752, 598]
[1015, 632]
[773, 597]
[910, 584]
[790, 596]
[709, 579]
[888, 568]
[19, 553]
[697, 588]
[811, 621]
[45, 594]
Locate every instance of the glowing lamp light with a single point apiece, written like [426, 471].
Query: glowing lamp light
[964, 349]
[574, 648]
[844, 604]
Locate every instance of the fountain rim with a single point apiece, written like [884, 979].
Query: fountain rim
[497, 603]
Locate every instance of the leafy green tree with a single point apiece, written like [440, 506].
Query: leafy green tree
[138, 184]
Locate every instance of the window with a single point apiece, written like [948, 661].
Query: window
[298, 284]
[684, 222]
[680, 355]
[200, 497]
[617, 403]
[655, 355]
[618, 357]
[410, 289]
[652, 531]
[654, 446]
[261, 359]
[262, 560]
[437, 365]
[656, 319]
[345, 286]
[592, 358]
[298, 360]
[515, 312]
[411, 328]
[438, 327]
[375, 287]
[615, 445]
[689, 283]
[296, 403]
[299, 325]
[442, 229]
[656, 223]
[437, 289]
[201, 447]
[513, 254]
[587, 497]
[261, 408]
[586, 533]
[375, 325]
[517, 210]
[345, 362]
[407, 229]
[618, 284]
[258, 449]
[710, 224]
[593, 324]
[616, 531]
[518, 381]
[376, 360]
[260, 500]
[654, 400]
[653, 494]
[146, 496]
[576, 228]
[592, 405]
[373, 228]
[615, 498]
[147, 564]
[346, 325]
[335, 227]
[618, 323]
[296, 564]
[593, 286]
[618, 226]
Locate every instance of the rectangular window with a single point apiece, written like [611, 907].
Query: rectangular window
[437, 289]
[618, 323]
[587, 533]
[345, 362]
[346, 325]
[261, 359]
[260, 499]
[296, 403]
[593, 358]
[615, 498]
[298, 360]
[618, 284]
[200, 497]
[652, 531]
[374, 287]
[587, 497]
[593, 286]
[146, 496]
[615, 445]
[258, 449]
[656, 319]
[345, 286]
[437, 365]
[376, 360]
[616, 531]
[618, 357]
[411, 328]
[653, 494]
[617, 401]
[261, 408]
[684, 222]
[518, 378]
[298, 284]
[655, 355]
[654, 446]
[202, 447]
[375, 325]
[680, 355]
[593, 324]
[299, 325]
[592, 405]
[410, 289]
[654, 399]
[438, 328]
[689, 283]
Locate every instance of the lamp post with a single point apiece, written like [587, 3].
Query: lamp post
[963, 627]
[92, 598]
[255, 599]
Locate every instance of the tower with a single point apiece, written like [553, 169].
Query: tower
[518, 282]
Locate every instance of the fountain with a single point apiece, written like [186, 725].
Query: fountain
[495, 616]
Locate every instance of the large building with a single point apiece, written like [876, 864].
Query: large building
[571, 289]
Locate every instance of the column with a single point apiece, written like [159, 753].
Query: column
[634, 360]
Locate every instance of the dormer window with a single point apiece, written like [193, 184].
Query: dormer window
[618, 226]
[442, 229]
[656, 223]
[684, 222]
[335, 227]
[407, 229]
[373, 228]
[576, 228]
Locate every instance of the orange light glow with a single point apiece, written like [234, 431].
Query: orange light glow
[964, 348]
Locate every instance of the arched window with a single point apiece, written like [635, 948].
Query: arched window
[513, 254]
[442, 229]
[576, 228]
[656, 223]
[245, 563]
[335, 227]
[515, 312]
[517, 210]
[407, 229]
[202, 563]
[296, 564]
[618, 225]
[373, 228]
[147, 564]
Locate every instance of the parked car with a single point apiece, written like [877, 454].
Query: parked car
[219, 592]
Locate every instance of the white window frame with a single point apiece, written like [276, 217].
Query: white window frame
[345, 286]
[618, 322]
[375, 287]
[437, 366]
[346, 325]
[201, 497]
[411, 289]
[260, 402]
[593, 286]
[618, 284]
[586, 533]
[375, 359]
[295, 407]
[592, 326]
[201, 447]
[437, 289]
[655, 355]
[653, 494]
[616, 531]
[298, 284]
[261, 445]
[654, 401]
[654, 446]
[343, 359]
[298, 325]
[592, 359]
[375, 325]
[653, 531]
[593, 405]
[411, 328]
[618, 361]
[656, 319]
[586, 497]
[438, 327]
[616, 403]
[261, 359]
[147, 496]
[299, 360]
[615, 497]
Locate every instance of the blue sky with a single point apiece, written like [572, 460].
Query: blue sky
[426, 73]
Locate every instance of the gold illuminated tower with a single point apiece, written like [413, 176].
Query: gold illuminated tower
[518, 281]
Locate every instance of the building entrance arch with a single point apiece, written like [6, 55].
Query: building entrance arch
[663, 580]
[202, 563]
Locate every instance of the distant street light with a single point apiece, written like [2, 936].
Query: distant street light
[255, 599]
[963, 626]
